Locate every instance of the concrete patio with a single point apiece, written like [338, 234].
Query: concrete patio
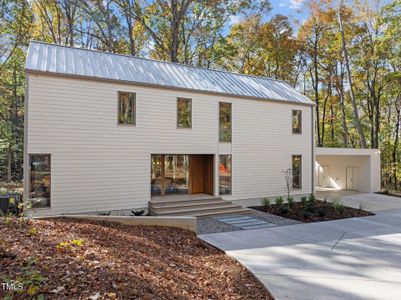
[357, 258]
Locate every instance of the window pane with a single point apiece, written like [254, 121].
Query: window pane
[225, 122]
[184, 113]
[176, 173]
[156, 178]
[225, 175]
[40, 178]
[296, 121]
[297, 171]
[126, 108]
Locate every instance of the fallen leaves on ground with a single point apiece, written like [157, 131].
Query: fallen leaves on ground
[74, 259]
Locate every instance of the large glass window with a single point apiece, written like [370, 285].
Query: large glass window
[297, 121]
[225, 122]
[126, 108]
[176, 172]
[184, 113]
[157, 174]
[39, 180]
[297, 171]
[225, 174]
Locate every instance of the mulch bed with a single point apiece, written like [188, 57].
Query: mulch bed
[72, 259]
[315, 211]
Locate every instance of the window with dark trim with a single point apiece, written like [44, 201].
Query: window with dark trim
[225, 174]
[39, 180]
[225, 122]
[297, 121]
[297, 171]
[184, 113]
[126, 108]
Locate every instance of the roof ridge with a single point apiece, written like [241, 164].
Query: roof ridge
[161, 61]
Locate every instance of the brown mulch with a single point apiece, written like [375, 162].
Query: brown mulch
[72, 259]
[317, 211]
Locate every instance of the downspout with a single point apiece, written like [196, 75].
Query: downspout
[26, 157]
[313, 149]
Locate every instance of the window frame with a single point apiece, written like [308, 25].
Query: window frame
[29, 180]
[118, 109]
[300, 121]
[190, 101]
[300, 171]
[231, 121]
[231, 174]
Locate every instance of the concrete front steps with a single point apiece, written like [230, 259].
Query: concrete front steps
[195, 208]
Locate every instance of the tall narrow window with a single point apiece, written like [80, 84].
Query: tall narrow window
[184, 113]
[225, 174]
[297, 121]
[225, 122]
[39, 180]
[297, 171]
[126, 108]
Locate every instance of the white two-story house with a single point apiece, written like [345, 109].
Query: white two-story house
[110, 132]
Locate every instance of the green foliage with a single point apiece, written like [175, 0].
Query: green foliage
[304, 201]
[338, 205]
[266, 201]
[311, 198]
[290, 201]
[279, 202]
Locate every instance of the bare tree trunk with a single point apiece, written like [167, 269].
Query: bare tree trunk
[395, 147]
[350, 82]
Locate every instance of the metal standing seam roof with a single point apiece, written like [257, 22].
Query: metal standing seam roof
[71, 61]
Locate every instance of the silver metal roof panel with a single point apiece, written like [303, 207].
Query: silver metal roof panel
[62, 60]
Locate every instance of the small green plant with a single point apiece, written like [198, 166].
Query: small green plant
[290, 201]
[338, 205]
[69, 245]
[266, 201]
[78, 243]
[32, 231]
[312, 197]
[304, 200]
[279, 202]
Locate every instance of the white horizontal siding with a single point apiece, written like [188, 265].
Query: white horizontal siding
[98, 165]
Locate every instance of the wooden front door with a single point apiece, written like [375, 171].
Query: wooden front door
[201, 174]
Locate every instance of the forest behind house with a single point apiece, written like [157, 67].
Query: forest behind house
[346, 57]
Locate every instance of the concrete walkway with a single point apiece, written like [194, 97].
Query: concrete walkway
[357, 258]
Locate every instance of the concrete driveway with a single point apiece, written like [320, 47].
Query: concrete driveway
[357, 258]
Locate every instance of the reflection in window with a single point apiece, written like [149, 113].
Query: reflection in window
[40, 178]
[296, 121]
[297, 171]
[126, 108]
[156, 178]
[225, 122]
[176, 172]
[225, 174]
[184, 113]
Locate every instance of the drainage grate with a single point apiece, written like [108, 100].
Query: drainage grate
[245, 222]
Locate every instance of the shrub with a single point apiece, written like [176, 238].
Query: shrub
[266, 201]
[307, 214]
[338, 205]
[312, 197]
[279, 202]
[284, 210]
[290, 201]
[304, 200]
[322, 212]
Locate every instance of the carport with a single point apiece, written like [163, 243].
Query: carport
[347, 169]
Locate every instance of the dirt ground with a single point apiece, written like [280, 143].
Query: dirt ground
[71, 259]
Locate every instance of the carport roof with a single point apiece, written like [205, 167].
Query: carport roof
[346, 151]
